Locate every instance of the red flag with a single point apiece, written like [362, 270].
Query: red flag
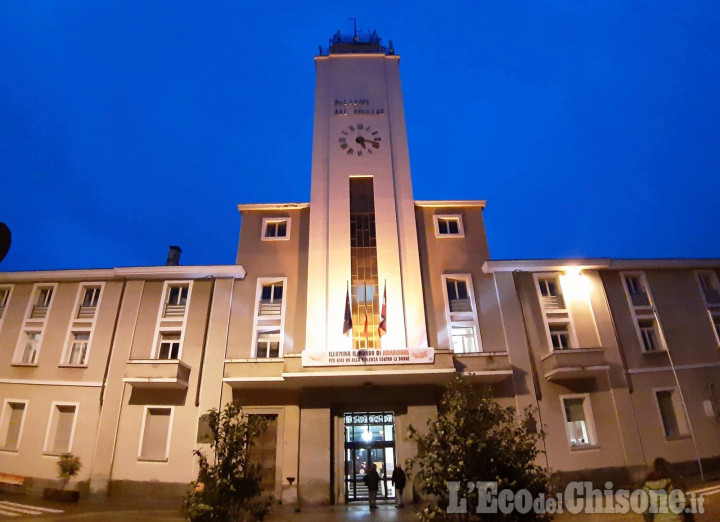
[347, 325]
[365, 331]
[382, 329]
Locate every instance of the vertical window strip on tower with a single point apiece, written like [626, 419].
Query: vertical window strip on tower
[363, 265]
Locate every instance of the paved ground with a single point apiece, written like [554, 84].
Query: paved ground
[21, 507]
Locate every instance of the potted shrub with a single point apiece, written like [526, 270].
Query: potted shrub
[68, 467]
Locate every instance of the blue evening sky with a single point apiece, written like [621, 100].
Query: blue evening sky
[591, 127]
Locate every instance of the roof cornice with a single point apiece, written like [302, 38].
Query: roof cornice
[557, 265]
[138, 272]
[272, 206]
[450, 203]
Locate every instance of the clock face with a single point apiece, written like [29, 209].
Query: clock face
[359, 140]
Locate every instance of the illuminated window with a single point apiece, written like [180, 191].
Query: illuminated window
[671, 413]
[77, 354]
[578, 421]
[552, 298]
[61, 428]
[269, 321]
[276, 229]
[31, 348]
[11, 424]
[448, 226]
[637, 290]
[461, 314]
[155, 436]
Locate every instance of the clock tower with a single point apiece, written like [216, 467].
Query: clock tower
[363, 239]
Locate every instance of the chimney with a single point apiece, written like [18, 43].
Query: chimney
[173, 258]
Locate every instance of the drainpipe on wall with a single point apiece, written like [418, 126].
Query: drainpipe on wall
[533, 367]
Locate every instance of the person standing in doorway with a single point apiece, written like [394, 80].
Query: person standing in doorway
[372, 479]
[398, 480]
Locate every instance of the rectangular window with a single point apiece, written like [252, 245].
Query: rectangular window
[559, 336]
[276, 228]
[671, 413]
[11, 424]
[449, 226]
[61, 428]
[578, 421]
[649, 335]
[715, 318]
[31, 348]
[42, 303]
[169, 345]
[462, 319]
[89, 302]
[271, 299]
[636, 290]
[464, 339]
[458, 296]
[4, 298]
[155, 437]
[78, 351]
[709, 287]
[552, 298]
[176, 300]
[268, 344]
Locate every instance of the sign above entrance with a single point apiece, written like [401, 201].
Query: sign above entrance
[350, 357]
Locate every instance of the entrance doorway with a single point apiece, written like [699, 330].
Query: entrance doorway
[369, 439]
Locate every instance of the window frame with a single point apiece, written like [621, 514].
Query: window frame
[678, 410]
[713, 310]
[448, 217]
[34, 299]
[8, 297]
[47, 449]
[147, 407]
[23, 343]
[643, 312]
[164, 301]
[159, 340]
[265, 323]
[555, 316]
[593, 442]
[461, 319]
[5, 422]
[275, 220]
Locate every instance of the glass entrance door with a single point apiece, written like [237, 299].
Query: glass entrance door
[369, 439]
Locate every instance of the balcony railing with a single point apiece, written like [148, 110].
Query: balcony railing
[641, 299]
[460, 305]
[553, 302]
[270, 308]
[712, 297]
[38, 312]
[86, 312]
[174, 310]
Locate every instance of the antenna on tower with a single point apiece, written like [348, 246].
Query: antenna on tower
[355, 36]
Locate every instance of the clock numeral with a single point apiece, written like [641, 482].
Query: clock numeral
[341, 140]
[344, 132]
[368, 129]
[351, 128]
[343, 145]
[378, 138]
[369, 151]
[360, 126]
[350, 150]
[376, 145]
[359, 153]
[374, 133]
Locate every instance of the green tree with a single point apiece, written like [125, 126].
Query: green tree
[228, 483]
[476, 439]
[68, 466]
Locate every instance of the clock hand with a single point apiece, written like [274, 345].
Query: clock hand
[361, 141]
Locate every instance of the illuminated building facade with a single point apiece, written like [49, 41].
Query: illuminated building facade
[340, 323]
